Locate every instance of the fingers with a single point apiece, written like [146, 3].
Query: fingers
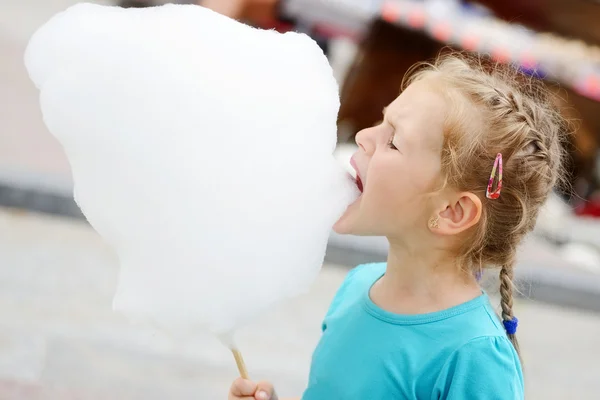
[242, 387]
[265, 391]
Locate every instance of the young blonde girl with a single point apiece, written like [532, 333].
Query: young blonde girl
[454, 177]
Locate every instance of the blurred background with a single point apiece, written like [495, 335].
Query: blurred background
[59, 338]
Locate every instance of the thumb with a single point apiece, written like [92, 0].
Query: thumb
[243, 387]
[265, 391]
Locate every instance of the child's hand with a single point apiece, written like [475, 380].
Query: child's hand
[243, 389]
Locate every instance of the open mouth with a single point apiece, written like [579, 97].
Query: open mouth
[359, 183]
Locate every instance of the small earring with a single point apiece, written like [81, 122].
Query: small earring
[434, 222]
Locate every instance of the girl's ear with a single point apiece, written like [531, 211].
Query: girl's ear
[460, 214]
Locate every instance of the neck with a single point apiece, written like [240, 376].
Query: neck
[421, 279]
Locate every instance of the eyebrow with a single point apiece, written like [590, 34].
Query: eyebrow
[389, 120]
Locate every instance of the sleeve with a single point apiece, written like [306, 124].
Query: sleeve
[337, 299]
[486, 368]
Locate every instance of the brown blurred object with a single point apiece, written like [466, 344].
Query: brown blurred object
[583, 144]
[260, 12]
[230, 8]
[256, 12]
[374, 79]
[571, 18]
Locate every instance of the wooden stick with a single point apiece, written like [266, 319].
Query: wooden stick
[239, 360]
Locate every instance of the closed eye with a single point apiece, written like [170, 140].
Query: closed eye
[391, 144]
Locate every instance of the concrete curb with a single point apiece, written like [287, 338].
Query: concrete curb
[39, 201]
[547, 280]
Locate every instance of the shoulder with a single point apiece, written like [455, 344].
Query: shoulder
[362, 277]
[357, 281]
[485, 367]
[366, 272]
[495, 350]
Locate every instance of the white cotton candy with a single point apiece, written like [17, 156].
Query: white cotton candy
[201, 151]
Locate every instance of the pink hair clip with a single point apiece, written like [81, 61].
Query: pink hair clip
[497, 166]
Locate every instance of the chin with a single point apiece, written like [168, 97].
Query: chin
[348, 222]
[343, 226]
[341, 229]
[347, 225]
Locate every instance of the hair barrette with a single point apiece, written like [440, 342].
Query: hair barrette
[497, 167]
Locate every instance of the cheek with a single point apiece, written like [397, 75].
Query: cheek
[389, 187]
[425, 173]
[397, 188]
[397, 178]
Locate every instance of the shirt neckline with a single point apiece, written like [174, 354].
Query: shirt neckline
[416, 319]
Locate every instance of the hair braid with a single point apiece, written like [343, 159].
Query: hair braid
[506, 300]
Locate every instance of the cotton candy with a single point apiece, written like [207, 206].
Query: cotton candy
[201, 151]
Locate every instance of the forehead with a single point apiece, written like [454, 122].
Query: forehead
[420, 112]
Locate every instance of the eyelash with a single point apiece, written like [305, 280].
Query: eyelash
[391, 143]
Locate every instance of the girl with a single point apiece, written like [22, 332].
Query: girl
[454, 177]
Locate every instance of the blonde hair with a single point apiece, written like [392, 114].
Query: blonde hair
[496, 109]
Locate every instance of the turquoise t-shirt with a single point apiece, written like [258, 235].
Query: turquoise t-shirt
[461, 353]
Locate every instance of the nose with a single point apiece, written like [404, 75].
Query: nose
[364, 140]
